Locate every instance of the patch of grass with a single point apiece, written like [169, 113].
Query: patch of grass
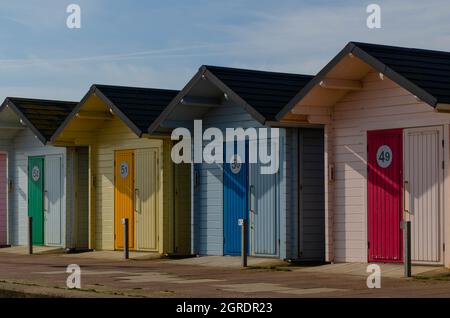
[272, 268]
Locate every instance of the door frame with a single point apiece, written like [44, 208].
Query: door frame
[401, 191]
[6, 153]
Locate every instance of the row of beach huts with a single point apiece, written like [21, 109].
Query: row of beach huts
[362, 146]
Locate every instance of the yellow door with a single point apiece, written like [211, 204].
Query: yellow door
[123, 196]
[147, 199]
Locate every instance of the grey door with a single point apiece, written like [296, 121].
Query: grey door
[53, 201]
[263, 212]
[311, 195]
[263, 207]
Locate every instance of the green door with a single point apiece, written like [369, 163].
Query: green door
[36, 197]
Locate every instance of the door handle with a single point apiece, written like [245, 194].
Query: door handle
[251, 210]
[406, 198]
[45, 204]
[45, 201]
[137, 202]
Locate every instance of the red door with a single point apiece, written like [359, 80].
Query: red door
[384, 195]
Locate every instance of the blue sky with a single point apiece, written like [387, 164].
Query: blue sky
[162, 43]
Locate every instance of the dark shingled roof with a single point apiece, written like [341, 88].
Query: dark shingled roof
[141, 106]
[429, 70]
[266, 92]
[424, 73]
[43, 116]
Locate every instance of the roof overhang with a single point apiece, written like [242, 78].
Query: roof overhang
[344, 85]
[8, 103]
[182, 98]
[78, 113]
[445, 108]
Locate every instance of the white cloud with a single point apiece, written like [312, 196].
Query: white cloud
[305, 38]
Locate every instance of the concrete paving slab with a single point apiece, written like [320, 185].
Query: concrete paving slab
[115, 255]
[85, 272]
[227, 261]
[23, 250]
[150, 277]
[311, 291]
[277, 288]
[254, 287]
[360, 269]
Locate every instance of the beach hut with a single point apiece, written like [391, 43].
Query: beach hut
[386, 116]
[36, 179]
[131, 174]
[284, 209]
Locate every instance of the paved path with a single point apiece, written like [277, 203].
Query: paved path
[187, 278]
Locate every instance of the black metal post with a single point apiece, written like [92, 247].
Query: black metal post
[244, 242]
[125, 238]
[407, 248]
[30, 235]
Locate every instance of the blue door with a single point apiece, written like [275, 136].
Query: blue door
[235, 197]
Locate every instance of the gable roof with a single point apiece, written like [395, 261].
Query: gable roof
[424, 73]
[138, 107]
[266, 92]
[43, 117]
[263, 94]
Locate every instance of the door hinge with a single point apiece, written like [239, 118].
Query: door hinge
[442, 143]
[443, 247]
[368, 245]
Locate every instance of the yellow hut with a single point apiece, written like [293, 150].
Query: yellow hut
[131, 173]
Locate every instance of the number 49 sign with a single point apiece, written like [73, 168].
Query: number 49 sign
[384, 156]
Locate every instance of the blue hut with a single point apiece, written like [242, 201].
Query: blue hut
[284, 209]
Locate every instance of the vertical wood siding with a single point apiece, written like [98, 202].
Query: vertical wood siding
[182, 218]
[82, 198]
[381, 104]
[291, 193]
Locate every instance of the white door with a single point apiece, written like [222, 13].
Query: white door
[423, 175]
[147, 199]
[53, 201]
